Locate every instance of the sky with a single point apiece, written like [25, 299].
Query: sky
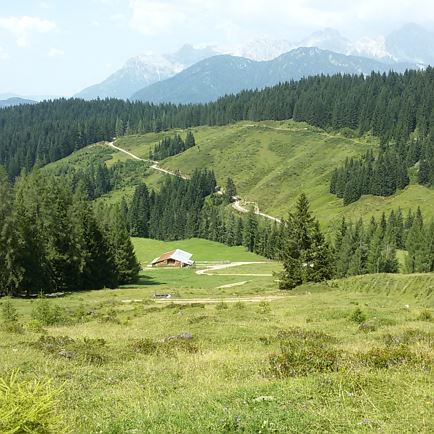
[58, 47]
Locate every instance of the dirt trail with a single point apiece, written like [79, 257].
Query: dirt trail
[253, 299]
[237, 206]
[154, 165]
[208, 270]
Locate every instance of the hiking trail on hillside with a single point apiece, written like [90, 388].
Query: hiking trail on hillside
[154, 165]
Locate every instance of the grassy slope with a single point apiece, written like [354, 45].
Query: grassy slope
[272, 162]
[202, 250]
[217, 388]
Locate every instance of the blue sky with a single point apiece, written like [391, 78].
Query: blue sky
[58, 47]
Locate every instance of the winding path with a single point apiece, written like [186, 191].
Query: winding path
[154, 165]
[208, 270]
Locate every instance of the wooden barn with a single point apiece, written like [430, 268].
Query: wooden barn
[174, 258]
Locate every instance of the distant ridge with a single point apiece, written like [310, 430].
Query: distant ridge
[221, 75]
[9, 102]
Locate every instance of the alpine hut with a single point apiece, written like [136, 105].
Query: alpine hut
[175, 258]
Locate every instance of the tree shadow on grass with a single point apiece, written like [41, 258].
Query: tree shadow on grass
[145, 280]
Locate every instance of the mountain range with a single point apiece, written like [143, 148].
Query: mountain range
[212, 78]
[412, 44]
[141, 71]
[9, 102]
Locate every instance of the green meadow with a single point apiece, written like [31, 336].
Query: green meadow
[271, 162]
[352, 355]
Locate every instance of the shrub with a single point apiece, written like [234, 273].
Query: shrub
[29, 406]
[168, 346]
[145, 346]
[387, 357]
[368, 326]
[221, 306]
[357, 316]
[47, 313]
[9, 316]
[264, 307]
[410, 336]
[239, 305]
[425, 315]
[303, 352]
[88, 350]
[110, 316]
[35, 326]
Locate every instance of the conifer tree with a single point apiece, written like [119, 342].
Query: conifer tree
[250, 230]
[10, 271]
[139, 212]
[305, 253]
[230, 190]
[122, 251]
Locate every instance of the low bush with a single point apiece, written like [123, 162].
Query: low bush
[239, 305]
[303, 352]
[388, 357]
[87, 350]
[9, 317]
[425, 315]
[357, 316]
[368, 326]
[47, 313]
[221, 306]
[110, 316]
[144, 346]
[264, 307]
[29, 406]
[409, 337]
[168, 346]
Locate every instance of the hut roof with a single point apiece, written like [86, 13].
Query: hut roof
[177, 255]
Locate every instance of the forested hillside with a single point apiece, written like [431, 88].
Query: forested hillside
[398, 108]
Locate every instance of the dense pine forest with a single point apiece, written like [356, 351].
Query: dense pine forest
[188, 208]
[52, 240]
[172, 146]
[398, 108]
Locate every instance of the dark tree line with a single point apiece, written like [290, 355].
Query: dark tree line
[51, 239]
[362, 249]
[380, 176]
[188, 208]
[172, 146]
[398, 108]
[97, 179]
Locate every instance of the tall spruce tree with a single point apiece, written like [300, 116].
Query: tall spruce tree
[10, 270]
[139, 212]
[230, 190]
[305, 253]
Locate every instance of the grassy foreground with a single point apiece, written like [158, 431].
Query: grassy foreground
[310, 362]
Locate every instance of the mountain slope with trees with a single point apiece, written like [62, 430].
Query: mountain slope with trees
[223, 75]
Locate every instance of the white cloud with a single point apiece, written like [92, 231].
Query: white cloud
[23, 27]
[4, 55]
[283, 18]
[56, 53]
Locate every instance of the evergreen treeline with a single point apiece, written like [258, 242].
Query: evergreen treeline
[97, 179]
[51, 240]
[186, 208]
[364, 249]
[172, 146]
[398, 108]
[380, 176]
